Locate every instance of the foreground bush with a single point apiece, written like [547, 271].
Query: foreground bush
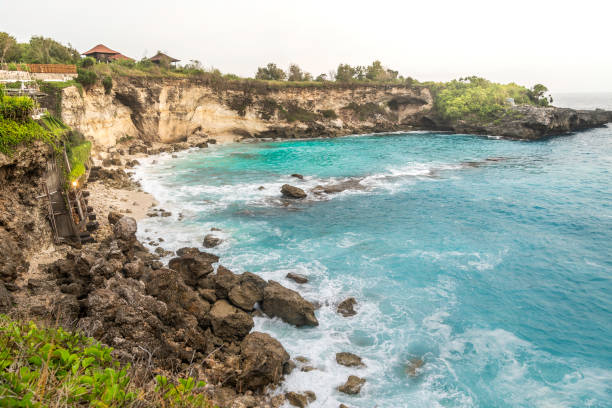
[42, 367]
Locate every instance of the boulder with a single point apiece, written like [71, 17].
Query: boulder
[134, 269]
[301, 399]
[224, 281]
[229, 322]
[193, 264]
[349, 360]
[296, 277]
[248, 291]
[352, 386]
[347, 307]
[125, 228]
[297, 176]
[292, 192]
[113, 217]
[289, 305]
[211, 241]
[262, 360]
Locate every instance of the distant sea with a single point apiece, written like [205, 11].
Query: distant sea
[489, 260]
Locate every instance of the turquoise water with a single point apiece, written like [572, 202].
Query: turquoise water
[488, 259]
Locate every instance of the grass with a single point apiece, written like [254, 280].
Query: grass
[51, 367]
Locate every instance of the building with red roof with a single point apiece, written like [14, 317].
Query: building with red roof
[102, 53]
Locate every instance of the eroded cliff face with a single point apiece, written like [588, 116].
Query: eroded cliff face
[170, 110]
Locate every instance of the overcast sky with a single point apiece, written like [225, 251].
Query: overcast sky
[565, 45]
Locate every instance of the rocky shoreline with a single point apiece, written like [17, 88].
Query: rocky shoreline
[191, 315]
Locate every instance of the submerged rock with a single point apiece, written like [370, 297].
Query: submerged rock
[413, 366]
[349, 360]
[289, 305]
[352, 386]
[297, 176]
[292, 192]
[347, 307]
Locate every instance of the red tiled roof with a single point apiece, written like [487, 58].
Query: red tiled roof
[120, 56]
[102, 49]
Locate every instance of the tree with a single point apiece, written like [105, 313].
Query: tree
[321, 78]
[536, 94]
[9, 50]
[375, 72]
[43, 50]
[270, 73]
[295, 73]
[345, 73]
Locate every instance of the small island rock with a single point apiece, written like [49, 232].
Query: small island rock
[347, 307]
[292, 192]
[352, 386]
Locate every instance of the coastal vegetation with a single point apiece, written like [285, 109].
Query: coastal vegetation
[475, 98]
[17, 126]
[48, 366]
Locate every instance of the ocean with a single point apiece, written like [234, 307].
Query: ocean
[490, 260]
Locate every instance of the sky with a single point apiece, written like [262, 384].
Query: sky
[562, 44]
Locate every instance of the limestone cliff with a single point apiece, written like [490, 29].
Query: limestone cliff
[169, 110]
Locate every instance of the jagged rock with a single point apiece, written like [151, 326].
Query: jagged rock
[347, 307]
[292, 191]
[113, 217]
[134, 269]
[193, 264]
[262, 359]
[125, 228]
[289, 305]
[211, 241]
[300, 400]
[224, 281]
[229, 322]
[349, 360]
[248, 291]
[352, 386]
[162, 252]
[208, 295]
[296, 277]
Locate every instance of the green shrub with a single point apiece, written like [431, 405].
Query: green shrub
[17, 108]
[366, 110]
[12, 66]
[50, 367]
[13, 85]
[329, 113]
[87, 62]
[475, 98]
[86, 77]
[292, 112]
[13, 133]
[107, 82]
